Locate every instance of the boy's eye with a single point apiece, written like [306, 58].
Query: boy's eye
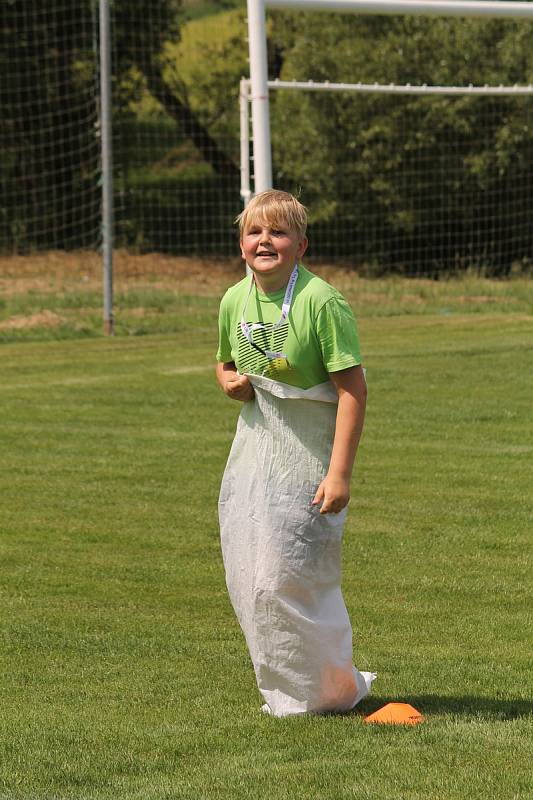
[259, 231]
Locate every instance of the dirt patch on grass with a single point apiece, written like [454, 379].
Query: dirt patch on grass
[480, 299]
[42, 319]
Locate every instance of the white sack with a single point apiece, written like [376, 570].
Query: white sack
[282, 557]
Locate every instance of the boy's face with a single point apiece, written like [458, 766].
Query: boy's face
[271, 252]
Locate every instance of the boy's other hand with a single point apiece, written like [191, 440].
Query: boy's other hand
[239, 388]
[333, 493]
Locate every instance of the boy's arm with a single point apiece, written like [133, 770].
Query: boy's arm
[236, 386]
[334, 491]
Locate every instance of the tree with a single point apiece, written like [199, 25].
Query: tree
[47, 93]
[142, 33]
[49, 173]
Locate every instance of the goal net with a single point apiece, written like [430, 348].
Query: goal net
[416, 183]
[425, 166]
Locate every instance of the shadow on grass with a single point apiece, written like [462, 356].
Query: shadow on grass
[487, 708]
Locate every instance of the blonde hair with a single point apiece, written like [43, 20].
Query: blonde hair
[276, 209]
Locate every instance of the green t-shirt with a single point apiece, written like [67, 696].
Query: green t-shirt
[319, 336]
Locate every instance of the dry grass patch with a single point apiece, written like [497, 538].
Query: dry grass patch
[46, 318]
[56, 271]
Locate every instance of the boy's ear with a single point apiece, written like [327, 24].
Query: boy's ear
[302, 247]
[242, 250]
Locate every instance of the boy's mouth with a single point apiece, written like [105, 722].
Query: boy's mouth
[268, 253]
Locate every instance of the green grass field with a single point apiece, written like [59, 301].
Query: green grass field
[124, 674]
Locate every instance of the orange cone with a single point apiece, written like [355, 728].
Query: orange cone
[396, 714]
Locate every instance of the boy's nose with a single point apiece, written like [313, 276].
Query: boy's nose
[265, 236]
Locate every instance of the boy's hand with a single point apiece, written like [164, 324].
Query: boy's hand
[236, 386]
[333, 493]
[239, 388]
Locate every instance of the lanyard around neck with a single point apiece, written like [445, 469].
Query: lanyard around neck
[256, 326]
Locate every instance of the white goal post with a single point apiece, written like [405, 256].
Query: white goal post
[257, 88]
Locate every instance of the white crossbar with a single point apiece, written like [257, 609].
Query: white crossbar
[432, 8]
[393, 88]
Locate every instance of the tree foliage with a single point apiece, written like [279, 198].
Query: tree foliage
[143, 35]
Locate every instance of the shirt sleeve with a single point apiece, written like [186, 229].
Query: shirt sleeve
[338, 336]
[224, 345]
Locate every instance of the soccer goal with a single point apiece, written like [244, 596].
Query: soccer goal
[420, 178]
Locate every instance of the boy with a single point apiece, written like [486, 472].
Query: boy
[289, 351]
